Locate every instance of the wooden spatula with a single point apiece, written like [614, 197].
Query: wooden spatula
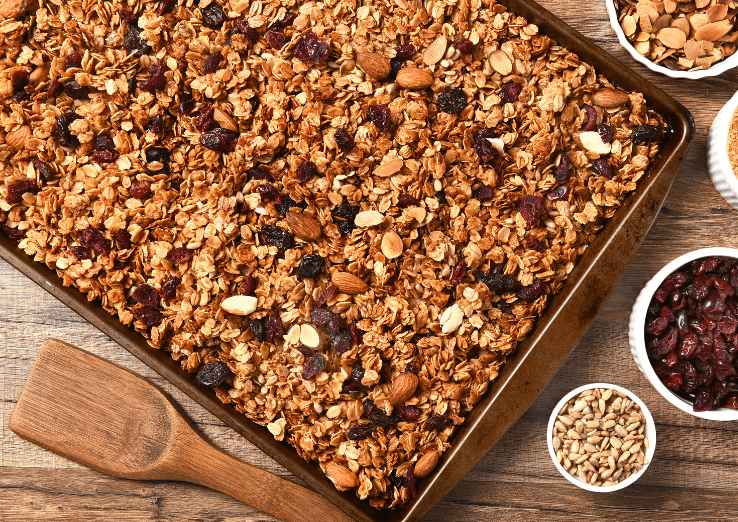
[84, 408]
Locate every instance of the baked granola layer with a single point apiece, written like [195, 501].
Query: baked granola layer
[165, 158]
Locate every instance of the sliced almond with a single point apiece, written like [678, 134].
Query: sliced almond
[699, 4]
[698, 20]
[704, 62]
[645, 9]
[498, 144]
[414, 78]
[717, 12]
[342, 477]
[239, 304]
[499, 61]
[368, 218]
[303, 226]
[713, 31]
[592, 141]
[693, 50]
[609, 98]
[670, 6]
[416, 213]
[662, 22]
[293, 336]
[309, 336]
[683, 24]
[629, 25]
[392, 246]
[225, 120]
[427, 463]
[645, 24]
[672, 37]
[451, 319]
[389, 168]
[373, 64]
[435, 51]
[349, 283]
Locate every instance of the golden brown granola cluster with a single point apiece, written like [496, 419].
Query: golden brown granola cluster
[343, 215]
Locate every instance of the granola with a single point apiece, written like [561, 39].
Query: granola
[362, 243]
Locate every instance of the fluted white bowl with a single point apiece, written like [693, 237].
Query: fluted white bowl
[718, 164]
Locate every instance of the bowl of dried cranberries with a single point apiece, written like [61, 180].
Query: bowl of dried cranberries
[684, 333]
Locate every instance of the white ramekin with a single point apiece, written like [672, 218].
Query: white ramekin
[636, 333]
[718, 164]
[650, 433]
[718, 68]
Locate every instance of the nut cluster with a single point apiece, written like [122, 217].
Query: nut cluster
[680, 35]
[600, 437]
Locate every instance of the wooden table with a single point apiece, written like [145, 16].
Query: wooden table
[692, 477]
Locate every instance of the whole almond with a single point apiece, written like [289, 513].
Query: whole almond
[239, 304]
[349, 283]
[373, 64]
[713, 31]
[341, 476]
[389, 168]
[414, 78]
[403, 387]
[609, 98]
[12, 8]
[303, 226]
[672, 37]
[39, 74]
[392, 246]
[435, 51]
[225, 120]
[17, 139]
[426, 464]
[500, 62]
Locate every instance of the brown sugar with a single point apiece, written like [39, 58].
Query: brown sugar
[732, 143]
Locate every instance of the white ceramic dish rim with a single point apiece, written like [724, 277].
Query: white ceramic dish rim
[715, 70]
[720, 145]
[721, 414]
[650, 433]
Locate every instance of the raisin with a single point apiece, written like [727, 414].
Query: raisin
[452, 100]
[343, 216]
[19, 79]
[212, 63]
[531, 292]
[258, 173]
[380, 418]
[484, 193]
[213, 374]
[408, 413]
[213, 16]
[465, 46]
[510, 92]
[146, 295]
[559, 193]
[605, 132]
[381, 116]
[159, 155]
[269, 192]
[306, 170]
[397, 482]
[457, 276]
[55, 89]
[341, 341]
[94, 239]
[405, 52]
[181, 255]
[276, 39]
[186, 103]
[310, 267]
[437, 422]
[248, 287]
[531, 208]
[103, 156]
[76, 91]
[407, 201]
[285, 22]
[311, 50]
[126, 15]
[276, 236]
[21, 96]
[134, 43]
[176, 183]
[254, 102]
[357, 373]
[395, 66]
[257, 329]
[220, 140]
[157, 80]
[591, 122]
[123, 239]
[360, 431]
[156, 124]
[644, 134]
[487, 153]
[535, 244]
[562, 171]
[73, 59]
[324, 318]
[323, 299]
[288, 203]
[344, 140]
[104, 142]
[313, 366]
[44, 169]
[165, 7]
[13, 232]
[603, 168]
[169, 288]
[140, 189]
[81, 252]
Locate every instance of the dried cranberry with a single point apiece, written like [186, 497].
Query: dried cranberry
[357, 373]
[408, 413]
[313, 366]
[81, 252]
[156, 124]
[288, 203]
[559, 193]
[465, 46]
[531, 292]
[269, 192]
[126, 15]
[140, 189]
[186, 103]
[146, 295]
[276, 236]
[437, 422]
[381, 116]
[591, 123]
[562, 171]
[643, 134]
[397, 482]
[329, 292]
[310, 267]
[357, 336]
[341, 341]
[405, 52]
[258, 173]
[703, 400]
[306, 170]
[212, 63]
[19, 79]
[157, 80]
[169, 288]
[673, 381]
[148, 316]
[344, 216]
[411, 480]
[181, 255]
[380, 418]
[248, 32]
[44, 169]
[323, 318]
[457, 276]
[703, 266]
[220, 140]
[603, 168]
[213, 16]
[344, 140]
[605, 132]
[205, 120]
[18, 188]
[731, 401]
[176, 183]
[158, 155]
[360, 431]
[535, 244]
[273, 327]
[311, 50]
[134, 43]
[104, 142]
[452, 100]
[407, 201]
[213, 374]
[76, 91]
[94, 239]
[123, 239]
[248, 287]
[488, 154]
[13, 232]
[531, 208]
[276, 39]
[510, 92]
[55, 89]
[103, 156]
[165, 7]
[395, 66]
[304, 350]
[73, 59]
[257, 329]
[484, 193]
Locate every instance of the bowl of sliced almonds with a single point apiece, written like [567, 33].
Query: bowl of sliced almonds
[681, 39]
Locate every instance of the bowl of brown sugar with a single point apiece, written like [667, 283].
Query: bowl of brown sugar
[722, 151]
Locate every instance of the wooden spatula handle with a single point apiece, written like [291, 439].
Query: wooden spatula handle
[202, 464]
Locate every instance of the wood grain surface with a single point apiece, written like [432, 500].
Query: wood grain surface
[693, 476]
